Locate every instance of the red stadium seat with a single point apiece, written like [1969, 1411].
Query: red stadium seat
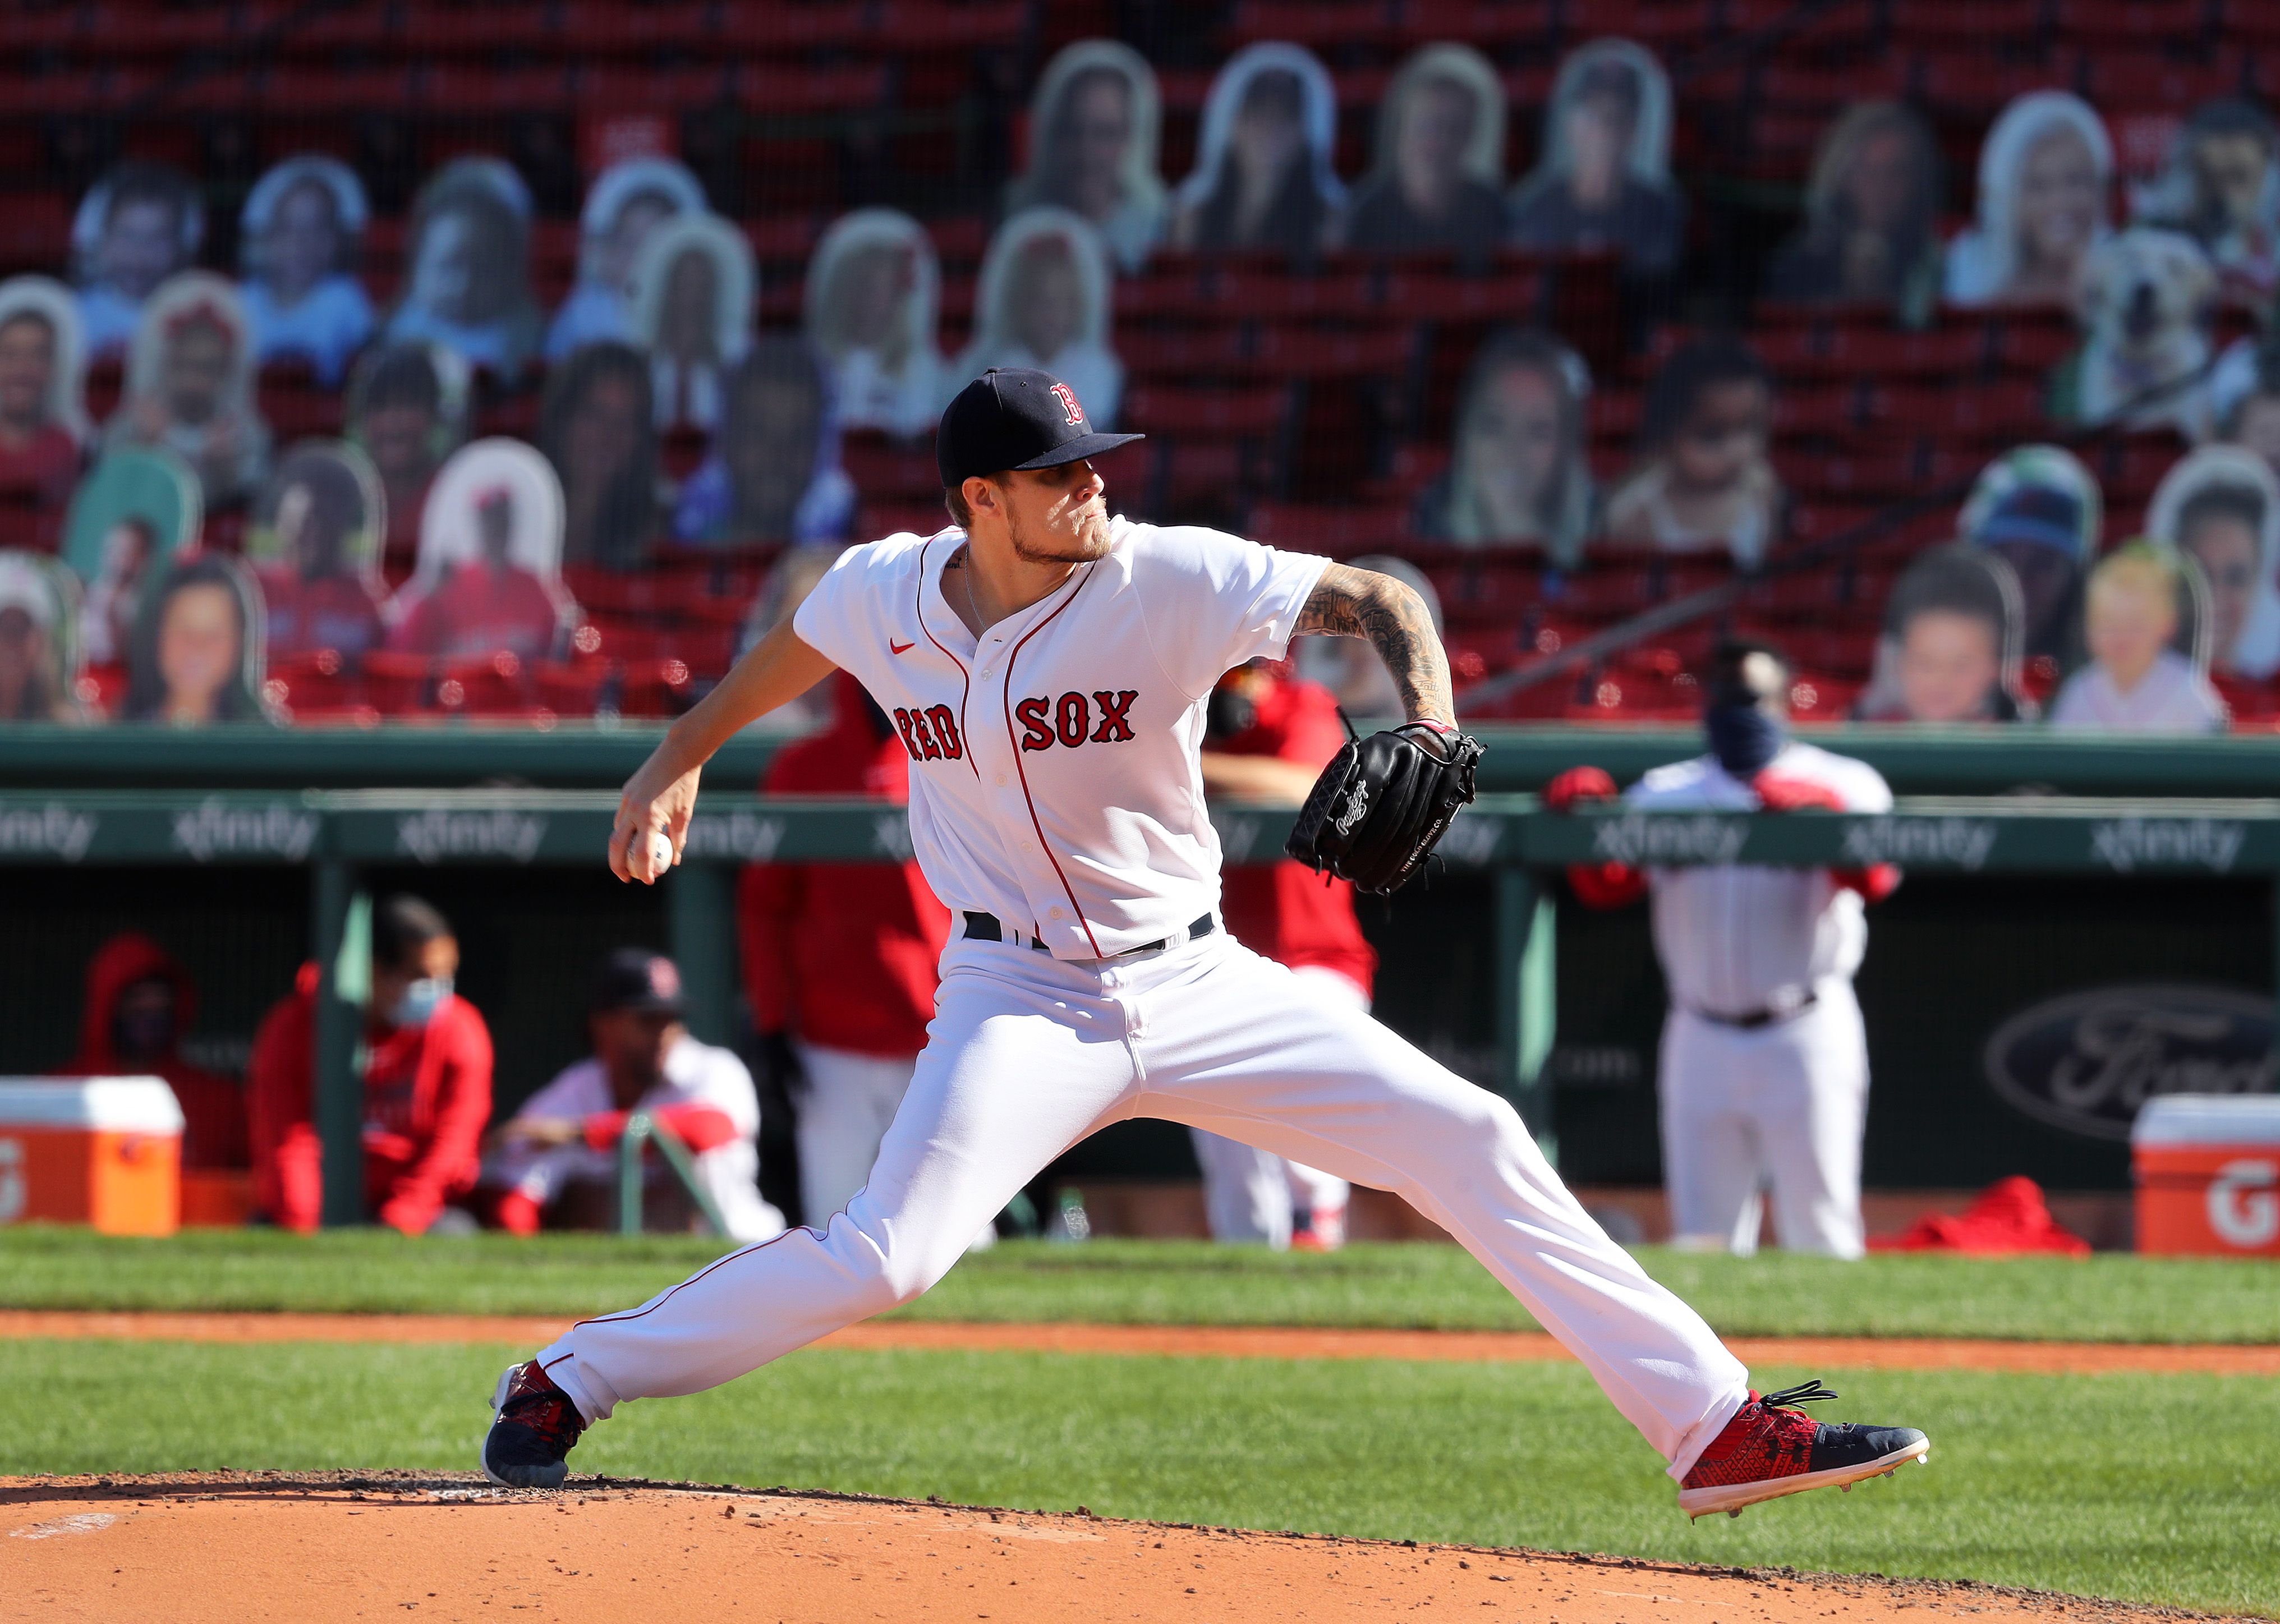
[1340, 530]
[310, 684]
[1818, 696]
[574, 688]
[655, 687]
[1319, 25]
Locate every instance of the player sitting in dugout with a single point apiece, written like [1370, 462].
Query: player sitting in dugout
[557, 1158]
[140, 1004]
[427, 1085]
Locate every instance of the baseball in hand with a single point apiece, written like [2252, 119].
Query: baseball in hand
[661, 852]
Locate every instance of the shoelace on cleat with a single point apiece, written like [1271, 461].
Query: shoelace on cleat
[1803, 1393]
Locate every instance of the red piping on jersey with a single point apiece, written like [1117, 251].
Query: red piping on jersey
[1014, 744]
[964, 687]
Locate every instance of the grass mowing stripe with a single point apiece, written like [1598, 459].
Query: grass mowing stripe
[2106, 1298]
[2150, 1488]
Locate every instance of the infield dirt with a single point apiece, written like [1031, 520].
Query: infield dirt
[211, 1547]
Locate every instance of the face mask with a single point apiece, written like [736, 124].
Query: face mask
[1743, 737]
[420, 1001]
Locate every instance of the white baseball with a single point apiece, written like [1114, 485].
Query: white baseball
[661, 852]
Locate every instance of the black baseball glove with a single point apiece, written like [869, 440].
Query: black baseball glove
[1383, 805]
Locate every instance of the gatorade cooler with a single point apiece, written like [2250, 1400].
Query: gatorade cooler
[2208, 1174]
[100, 1151]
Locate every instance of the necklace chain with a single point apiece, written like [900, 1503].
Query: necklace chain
[965, 579]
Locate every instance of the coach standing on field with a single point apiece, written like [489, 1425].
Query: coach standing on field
[1764, 1075]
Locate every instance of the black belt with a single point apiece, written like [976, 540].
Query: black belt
[1755, 1018]
[986, 928]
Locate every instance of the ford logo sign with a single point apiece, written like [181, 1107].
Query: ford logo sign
[2087, 1061]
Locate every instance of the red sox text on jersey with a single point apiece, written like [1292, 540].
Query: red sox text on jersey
[931, 735]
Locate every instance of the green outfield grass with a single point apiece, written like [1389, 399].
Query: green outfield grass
[2106, 1298]
[2151, 1488]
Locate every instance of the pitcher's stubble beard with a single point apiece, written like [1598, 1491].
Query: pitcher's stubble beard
[1090, 542]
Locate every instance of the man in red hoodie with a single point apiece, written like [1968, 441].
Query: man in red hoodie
[1266, 736]
[140, 1002]
[426, 1083]
[840, 958]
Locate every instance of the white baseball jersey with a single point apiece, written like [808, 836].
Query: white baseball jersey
[1737, 940]
[695, 1074]
[1054, 781]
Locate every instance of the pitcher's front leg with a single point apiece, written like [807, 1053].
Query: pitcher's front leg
[1001, 1089]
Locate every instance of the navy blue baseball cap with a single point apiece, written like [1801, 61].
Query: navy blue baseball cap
[634, 978]
[1015, 417]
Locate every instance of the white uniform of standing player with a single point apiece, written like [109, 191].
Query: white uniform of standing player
[1057, 810]
[1764, 1065]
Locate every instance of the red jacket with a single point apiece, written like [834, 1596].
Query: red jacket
[213, 1107]
[843, 955]
[1283, 910]
[426, 1098]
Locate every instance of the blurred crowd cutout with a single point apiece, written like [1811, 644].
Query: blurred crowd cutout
[627, 202]
[40, 659]
[1951, 651]
[467, 267]
[1094, 125]
[314, 543]
[1871, 232]
[1437, 182]
[692, 292]
[1705, 478]
[190, 387]
[2046, 174]
[774, 474]
[134, 513]
[197, 655]
[43, 424]
[1604, 184]
[597, 427]
[2145, 630]
[874, 290]
[407, 411]
[2039, 510]
[300, 238]
[1264, 180]
[672, 392]
[2220, 508]
[1518, 476]
[138, 226]
[2145, 299]
[490, 575]
[1044, 302]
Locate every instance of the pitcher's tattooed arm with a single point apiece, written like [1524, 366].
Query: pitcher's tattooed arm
[1351, 602]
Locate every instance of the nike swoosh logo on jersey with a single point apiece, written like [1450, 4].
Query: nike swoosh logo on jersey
[899, 648]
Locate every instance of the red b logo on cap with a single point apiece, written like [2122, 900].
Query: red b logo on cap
[1068, 397]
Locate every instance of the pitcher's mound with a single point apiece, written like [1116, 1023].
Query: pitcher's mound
[236, 1546]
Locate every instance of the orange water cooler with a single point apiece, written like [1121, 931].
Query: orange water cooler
[100, 1151]
[2208, 1174]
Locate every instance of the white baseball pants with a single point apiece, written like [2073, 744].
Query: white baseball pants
[1782, 1106]
[845, 1105]
[843, 1112]
[1251, 1194]
[1028, 1054]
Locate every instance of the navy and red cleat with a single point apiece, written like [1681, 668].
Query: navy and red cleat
[1770, 1448]
[535, 1425]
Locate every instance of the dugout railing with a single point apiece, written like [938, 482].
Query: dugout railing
[339, 835]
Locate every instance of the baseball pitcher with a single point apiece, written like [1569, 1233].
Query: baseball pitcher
[1047, 667]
